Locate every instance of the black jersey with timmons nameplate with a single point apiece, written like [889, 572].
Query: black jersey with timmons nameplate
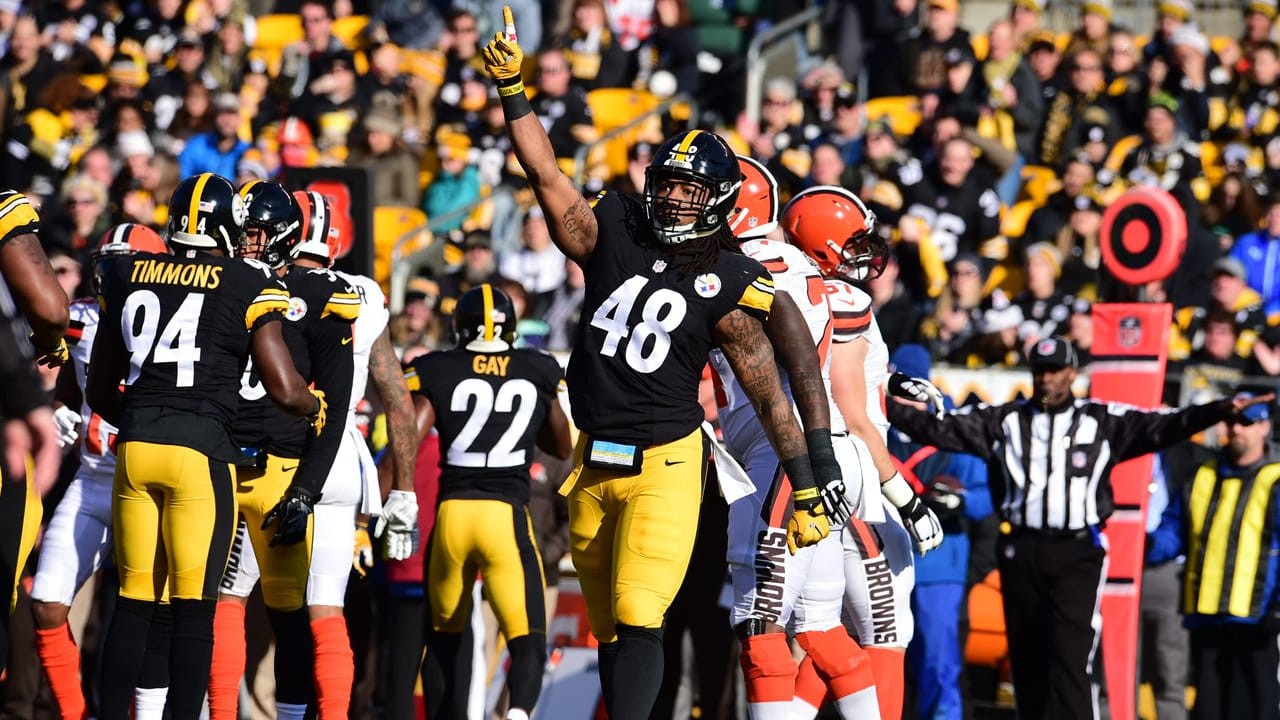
[317, 330]
[489, 408]
[646, 329]
[184, 324]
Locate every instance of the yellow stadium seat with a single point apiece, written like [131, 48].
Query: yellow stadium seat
[1038, 183]
[95, 82]
[611, 108]
[981, 44]
[349, 29]
[1218, 43]
[1140, 41]
[903, 112]
[390, 225]
[1211, 162]
[278, 31]
[1123, 147]
[1062, 40]
[1014, 222]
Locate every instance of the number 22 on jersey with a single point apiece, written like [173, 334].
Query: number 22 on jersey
[516, 397]
[176, 343]
[649, 341]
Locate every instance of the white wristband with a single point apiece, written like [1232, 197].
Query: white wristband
[897, 490]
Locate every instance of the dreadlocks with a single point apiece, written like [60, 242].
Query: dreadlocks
[698, 256]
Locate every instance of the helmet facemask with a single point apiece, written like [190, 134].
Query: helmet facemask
[676, 215]
[863, 256]
[267, 242]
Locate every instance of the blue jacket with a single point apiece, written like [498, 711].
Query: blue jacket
[451, 193]
[1260, 255]
[201, 155]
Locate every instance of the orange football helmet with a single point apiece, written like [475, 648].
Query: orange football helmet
[129, 238]
[756, 212]
[321, 227]
[838, 232]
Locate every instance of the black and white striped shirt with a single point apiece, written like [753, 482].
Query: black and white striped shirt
[1051, 469]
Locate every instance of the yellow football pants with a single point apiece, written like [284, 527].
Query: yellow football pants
[284, 567]
[496, 539]
[20, 515]
[632, 535]
[174, 512]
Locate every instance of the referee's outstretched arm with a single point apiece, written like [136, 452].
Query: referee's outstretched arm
[972, 429]
[1135, 432]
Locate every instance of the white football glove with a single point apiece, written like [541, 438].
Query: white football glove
[399, 520]
[915, 389]
[919, 520]
[68, 423]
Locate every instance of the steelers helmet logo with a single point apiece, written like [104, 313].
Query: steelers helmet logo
[239, 212]
[297, 309]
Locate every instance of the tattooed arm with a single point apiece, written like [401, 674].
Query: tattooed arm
[388, 382]
[26, 269]
[569, 217]
[795, 350]
[742, 340]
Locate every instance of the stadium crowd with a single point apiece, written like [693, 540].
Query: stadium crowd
[989, 156]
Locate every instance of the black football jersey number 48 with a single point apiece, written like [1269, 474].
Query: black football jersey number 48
[647, 328]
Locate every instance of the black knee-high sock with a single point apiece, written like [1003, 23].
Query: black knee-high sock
[294, 656]
[607, 654]
[442, 695]
[155, 663]
[123, 652]
[524, 678]
[190, 657]
[637, 673]
[401, 636]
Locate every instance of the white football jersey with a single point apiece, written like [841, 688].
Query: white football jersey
[369, 324]
[794, 274]
[97, 443]
[852, 319]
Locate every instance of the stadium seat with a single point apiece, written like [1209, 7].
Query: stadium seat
[390, 225]
[278, 31]
[903, 112]
[1123, 147]
[987, 645]
[1062, 40]
[349, 29]
[1014, 222]
[1218, 43]
[611, 108]
[1038, 183]
[1211, 162]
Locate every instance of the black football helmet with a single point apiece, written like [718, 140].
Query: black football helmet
[704, 159]
[484, 319]
[273, 210]
[205, 213]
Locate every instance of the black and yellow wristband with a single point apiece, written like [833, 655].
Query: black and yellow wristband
[515, 104]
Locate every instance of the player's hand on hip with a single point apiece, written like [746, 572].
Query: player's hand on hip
[809, 524]
[399, 523]
[362, 558]
[920, 521]
[503, 57]
[291, 516]
[68, 424]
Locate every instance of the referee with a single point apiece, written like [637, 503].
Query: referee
[1049, 461]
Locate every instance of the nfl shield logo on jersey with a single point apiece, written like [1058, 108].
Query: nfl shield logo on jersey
[707, 285]
[1129, 331]
[659, 265]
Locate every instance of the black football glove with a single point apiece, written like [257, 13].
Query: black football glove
[294, 512]
[915, 389]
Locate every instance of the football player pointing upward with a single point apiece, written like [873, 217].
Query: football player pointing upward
[664, 284]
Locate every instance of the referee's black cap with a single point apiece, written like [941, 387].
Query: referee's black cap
[1052, 353]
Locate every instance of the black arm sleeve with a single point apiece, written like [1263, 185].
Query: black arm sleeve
[332, 366]
[108, 364]
[1138, 433]
[972, 431]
